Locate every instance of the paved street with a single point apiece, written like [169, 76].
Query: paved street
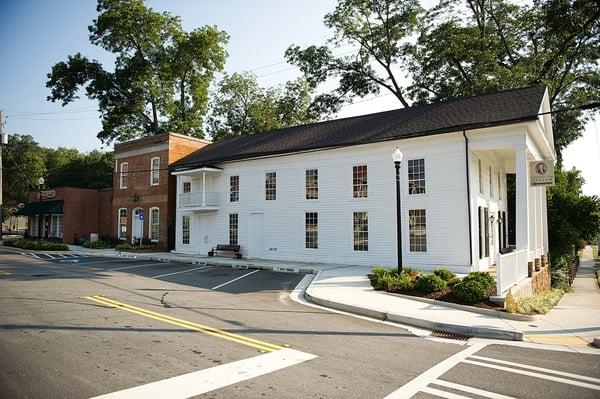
[78, 326]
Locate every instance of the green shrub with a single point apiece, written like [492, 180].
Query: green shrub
[445, 274]
[412, 271]
[429, 283]
[453, 281]
[130, 247]
[484, 278]
[379, 271]
[384, 280]
[35, 245]
[560, 272]
[470, 291]
[404, 282]
[539, 303]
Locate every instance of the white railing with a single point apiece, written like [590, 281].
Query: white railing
[511, 268]
[198, 198]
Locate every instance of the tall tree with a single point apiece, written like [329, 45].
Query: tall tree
[161, 74]
[241, 107]
[378, 30]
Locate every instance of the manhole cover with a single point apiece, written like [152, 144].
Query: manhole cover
[447, 335]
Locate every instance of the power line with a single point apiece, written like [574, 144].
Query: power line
[89, 108]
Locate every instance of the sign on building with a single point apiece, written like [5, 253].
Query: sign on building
[47, 194]
[541, 173]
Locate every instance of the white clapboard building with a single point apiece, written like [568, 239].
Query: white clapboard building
[326, 192]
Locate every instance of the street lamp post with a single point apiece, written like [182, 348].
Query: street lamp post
[397, 157]
[40, 188]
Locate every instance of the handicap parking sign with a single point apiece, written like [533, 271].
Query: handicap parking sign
[141, 216]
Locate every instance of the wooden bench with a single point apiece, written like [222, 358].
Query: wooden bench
[234, 249]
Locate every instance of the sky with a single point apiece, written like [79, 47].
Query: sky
[35, 34]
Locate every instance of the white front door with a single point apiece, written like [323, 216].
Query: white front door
[256, 235]
[137, 225]
[206, 232]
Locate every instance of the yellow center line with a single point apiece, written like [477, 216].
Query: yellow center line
[254, 343]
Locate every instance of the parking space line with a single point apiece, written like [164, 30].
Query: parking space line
[182, 271]
[34, 255]
[532, 374]
[472, 390]
[63, 255]
[3, 273]
[421, 381]
[50, 256]
[544, 370]
[234, 280]
[199, 382]
[215, 332]
[133, 267]
[443, 394]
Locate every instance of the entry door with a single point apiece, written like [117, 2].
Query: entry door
[137, 226]
[206, 229]
[256, 235]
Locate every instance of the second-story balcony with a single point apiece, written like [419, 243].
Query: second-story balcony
[199, 200]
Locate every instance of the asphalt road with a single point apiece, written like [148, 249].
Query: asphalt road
[77, 327]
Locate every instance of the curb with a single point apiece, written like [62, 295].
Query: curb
[479, 332]
[596, 342]
[472, 309]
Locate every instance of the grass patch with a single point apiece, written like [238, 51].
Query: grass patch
[539, 303]
[35, 245]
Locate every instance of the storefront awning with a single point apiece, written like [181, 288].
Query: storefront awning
[45, 208]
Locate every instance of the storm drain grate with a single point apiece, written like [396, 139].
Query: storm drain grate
[447, 335]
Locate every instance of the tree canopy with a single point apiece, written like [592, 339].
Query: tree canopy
[240, 106]
[161, 74]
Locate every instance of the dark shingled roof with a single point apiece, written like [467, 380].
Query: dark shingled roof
[485, 110]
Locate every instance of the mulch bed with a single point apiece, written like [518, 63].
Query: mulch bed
[445, 296]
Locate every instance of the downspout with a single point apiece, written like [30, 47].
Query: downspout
[467, 161]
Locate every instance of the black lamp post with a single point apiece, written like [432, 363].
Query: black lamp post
[397, 157]
[40, 188]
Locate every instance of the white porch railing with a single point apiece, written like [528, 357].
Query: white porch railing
[198, 198]
[511, 268]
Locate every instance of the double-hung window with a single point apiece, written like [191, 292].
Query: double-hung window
[417, 230]
[154, 224]
[312, 184]
[311, 222]
[185, 230]
[122, 233]
[233, 229]
[234, 188]
[56, 226]
[359, 181]
[361, 231]
[123, 175]
[416, 176]
[154, 171]
[187, 186]
[271, 186]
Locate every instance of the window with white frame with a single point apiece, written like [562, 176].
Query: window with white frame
[490, 182]
[271, 186]
[123, 175]
[233, 229]
[122, 222]
[361, 231]
[499, 186]
[33, 220]
[154, 171]
[185, 230]
[154, 224]
[56, 226]
[480, 176]
[416, 176]
[234, 188]
[417, 230]
[311, 223]
[359, 181]
[187, 186]
[312, 184]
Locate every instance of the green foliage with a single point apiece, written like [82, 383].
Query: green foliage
[540, 303]
[470, 291]
[390, 280]
[560, 272]
[571, 215]
[104, 241]
[445, 274]
[42, 245]
[134, 247]
[160, 77]
[429, 283]
[241, 107]
[484, 278]
[414, 272]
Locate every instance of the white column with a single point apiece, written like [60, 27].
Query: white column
[522, 199]
[203, 188]
[544, 220]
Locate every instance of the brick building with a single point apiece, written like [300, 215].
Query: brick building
[143, 203]
[65, 213]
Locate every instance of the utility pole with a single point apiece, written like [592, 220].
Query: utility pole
[3, 142]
